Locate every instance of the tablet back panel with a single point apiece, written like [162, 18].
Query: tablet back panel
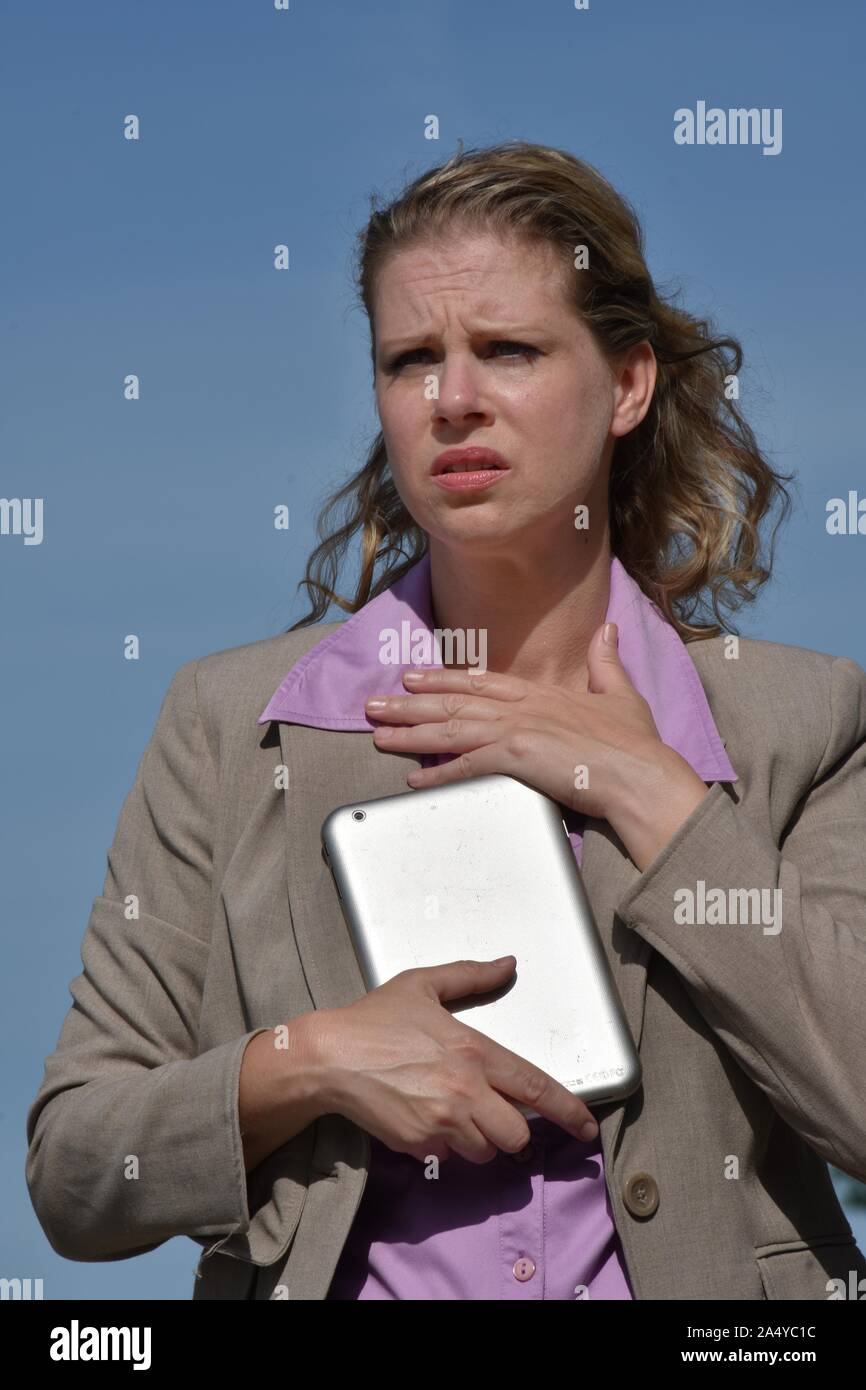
[479, 869]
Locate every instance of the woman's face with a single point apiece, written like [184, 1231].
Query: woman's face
[515, 370]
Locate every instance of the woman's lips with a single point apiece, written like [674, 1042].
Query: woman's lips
[464, 481]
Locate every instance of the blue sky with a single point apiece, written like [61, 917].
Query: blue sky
[155, 256]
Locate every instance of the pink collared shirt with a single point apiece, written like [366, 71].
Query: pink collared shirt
[536, 1225]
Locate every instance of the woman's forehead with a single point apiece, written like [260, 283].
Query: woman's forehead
[495, 276]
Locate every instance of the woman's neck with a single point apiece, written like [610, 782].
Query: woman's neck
[537, 613]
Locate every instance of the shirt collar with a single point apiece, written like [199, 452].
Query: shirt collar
[327, 687]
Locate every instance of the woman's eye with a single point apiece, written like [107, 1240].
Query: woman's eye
[517, 350]
[398, 362]
[523, 349]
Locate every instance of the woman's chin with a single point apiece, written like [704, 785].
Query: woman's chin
[491, 533]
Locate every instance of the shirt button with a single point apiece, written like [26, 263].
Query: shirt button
[523, 1269]
[641, 1194]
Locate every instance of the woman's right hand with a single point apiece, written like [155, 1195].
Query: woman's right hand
[403, 1068]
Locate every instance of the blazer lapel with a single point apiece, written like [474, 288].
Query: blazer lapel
[607, 874]
[329, 768]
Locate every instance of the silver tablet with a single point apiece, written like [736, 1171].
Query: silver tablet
[479, 869]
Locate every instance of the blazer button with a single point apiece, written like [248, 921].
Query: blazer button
[641, 1194]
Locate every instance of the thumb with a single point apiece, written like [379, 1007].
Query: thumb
[606, 672]
[459, 977]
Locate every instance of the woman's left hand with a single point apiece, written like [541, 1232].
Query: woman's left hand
[597, 752]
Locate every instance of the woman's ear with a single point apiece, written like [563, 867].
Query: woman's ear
[635, 374]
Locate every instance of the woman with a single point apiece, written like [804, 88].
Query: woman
[222, 1073]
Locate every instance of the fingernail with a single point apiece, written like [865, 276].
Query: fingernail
[589, 1130]
[610, 634]
[375, 702]
[413, 676]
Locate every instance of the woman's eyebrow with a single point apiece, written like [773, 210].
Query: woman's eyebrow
[504, 332]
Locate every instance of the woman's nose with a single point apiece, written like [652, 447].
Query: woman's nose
[459, 391]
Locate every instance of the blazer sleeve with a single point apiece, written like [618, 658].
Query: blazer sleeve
[791, 1005]
[133, 1137]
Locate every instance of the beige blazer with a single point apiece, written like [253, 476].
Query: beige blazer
[218, 919]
